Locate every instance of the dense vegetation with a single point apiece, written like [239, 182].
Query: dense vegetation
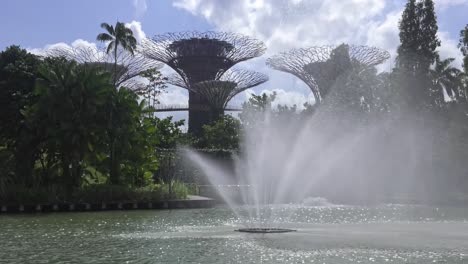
[68, 132]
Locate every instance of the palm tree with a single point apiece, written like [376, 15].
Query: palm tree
[118, 36]
[446, 78]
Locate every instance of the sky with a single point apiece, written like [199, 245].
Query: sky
[281, 24]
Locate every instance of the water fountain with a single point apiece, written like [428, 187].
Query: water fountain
[283, 160]
[341, 152]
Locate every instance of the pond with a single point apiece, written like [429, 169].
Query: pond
[325, 234]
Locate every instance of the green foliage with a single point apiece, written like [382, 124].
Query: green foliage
[156, 84]
[116, 193]
[418, 37]
[221, 134]
[6, 170]
[446, 78]
[118, 36]
[69, 113]
[428, 36]
[20, 194]
[95, 193]
[75, 129]
[254, 109]
[169, 132]
[463, 45]
[416, 53]
[18, 71]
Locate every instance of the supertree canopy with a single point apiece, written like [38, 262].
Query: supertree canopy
[200, 57]
[129, 66]
[220, 91]
[320, 67]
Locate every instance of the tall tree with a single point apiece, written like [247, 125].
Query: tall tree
[417, 52]
[118, 36]
[418, 37]
[463, 45]
[70, 108]
[18, 70]
[429, 41]
[409, 32]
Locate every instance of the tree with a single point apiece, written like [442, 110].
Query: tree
[418, 37]
[417, 52]
[137, 136]
[69, 114]
[169, 132]
[445, 78]
[463, 45]
[254, 109]
[409, 32]
[18, 70]
[429, 41]
[221, 134]
[118, 36]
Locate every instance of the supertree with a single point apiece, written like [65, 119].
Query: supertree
[220, 91]
[198, 57]
[320, 67]
[129, 66]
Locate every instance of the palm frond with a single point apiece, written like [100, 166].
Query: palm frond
[108, 28]
[104, 37]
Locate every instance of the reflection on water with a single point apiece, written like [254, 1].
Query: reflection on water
[327, 234]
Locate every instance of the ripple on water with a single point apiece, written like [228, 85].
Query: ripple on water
[206, 236]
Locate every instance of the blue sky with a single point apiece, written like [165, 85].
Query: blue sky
[281, 24]
[33, 24]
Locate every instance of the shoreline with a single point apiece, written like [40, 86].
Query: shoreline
[191, 202]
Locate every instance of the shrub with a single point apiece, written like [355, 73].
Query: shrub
[95, 193]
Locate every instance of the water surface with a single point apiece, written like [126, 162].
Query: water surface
[326, 234]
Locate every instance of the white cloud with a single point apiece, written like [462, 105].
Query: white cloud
[140, 7]
[449, 49]
[384, 34]
[138, 32]
[79, 43]
[285, 24]
[443, 4]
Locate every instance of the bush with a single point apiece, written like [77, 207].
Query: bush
[179, 190]
[16, 194]
[95, 193]
[112, 193]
